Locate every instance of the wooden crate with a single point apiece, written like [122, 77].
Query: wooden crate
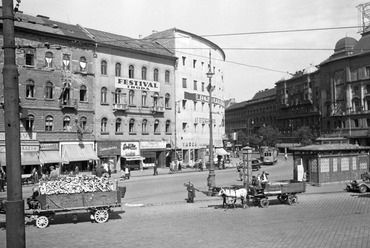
[62, 201]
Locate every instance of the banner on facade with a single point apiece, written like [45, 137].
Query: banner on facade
[129, 83]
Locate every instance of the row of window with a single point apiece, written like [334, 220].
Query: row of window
[49, 123]
[131, 72]
[132, 126]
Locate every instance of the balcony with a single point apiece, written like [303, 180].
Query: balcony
[120, 107]
[157, 109]
[71, 103]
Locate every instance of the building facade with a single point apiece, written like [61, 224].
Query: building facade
[196, 56]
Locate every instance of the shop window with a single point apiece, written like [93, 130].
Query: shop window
[49, 123]
[118, 69]
[103, 95]
[143, 73]
[49, 90]
[30, 88]
[83, 93]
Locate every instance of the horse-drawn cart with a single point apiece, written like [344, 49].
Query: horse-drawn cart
[286, 192]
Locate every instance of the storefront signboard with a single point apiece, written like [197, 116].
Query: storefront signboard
[130, 148]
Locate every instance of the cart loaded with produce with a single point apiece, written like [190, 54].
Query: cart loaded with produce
[96, 195]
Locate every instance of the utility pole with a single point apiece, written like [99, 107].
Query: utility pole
[15, 230]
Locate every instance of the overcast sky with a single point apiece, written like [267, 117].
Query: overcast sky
[246, 71]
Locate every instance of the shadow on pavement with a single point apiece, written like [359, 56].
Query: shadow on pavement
[364, 195]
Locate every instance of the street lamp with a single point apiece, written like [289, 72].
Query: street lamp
[211, 177]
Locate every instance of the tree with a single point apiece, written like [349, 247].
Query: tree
[269, 136]
[304, 135]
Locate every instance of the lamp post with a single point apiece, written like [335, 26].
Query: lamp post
[211, 177]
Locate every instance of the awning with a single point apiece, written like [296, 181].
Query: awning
[30, 158]
[78, 153]
[47, 157]
[221, 152]
[131, 158]
[27, 158]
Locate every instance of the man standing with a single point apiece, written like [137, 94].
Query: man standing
[155, 168]
[191, 193]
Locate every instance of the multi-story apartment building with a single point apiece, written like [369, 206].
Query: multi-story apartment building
[56, 82]
[196, 56]
[298, 101]
[249, 116]
[345, 89]
[134, 100]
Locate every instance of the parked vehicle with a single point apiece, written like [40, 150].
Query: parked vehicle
[256, 164]
[361, 186]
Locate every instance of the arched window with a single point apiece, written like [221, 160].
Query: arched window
[167, 100]
[144, 126]
[66, 61]
[67, 123]
[156, 126]
[103, 95]
[131, 71]
[30, 88]
[83, 93]
[83, 122]
[103, 125]
[167, 76]
[155, 75]
[83, 64]
[131, 97]
[49, 90]
[118, 125]
[118, 69]
[131, 127]
[104, 67]
[155, 99]
[29, 122]
[143, 98]
[49, 59]
[49, 123]
[143, 73]
[117, 96]
[168, 126]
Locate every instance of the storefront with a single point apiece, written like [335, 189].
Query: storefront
[50, 156]
[109, 153]
[130, 155]
[77, 154]
[152, 150]
[29, 155]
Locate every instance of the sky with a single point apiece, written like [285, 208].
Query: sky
[253, 62]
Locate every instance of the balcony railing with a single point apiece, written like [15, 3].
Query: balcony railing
[71, 103]
[120, 106]
[158, 109]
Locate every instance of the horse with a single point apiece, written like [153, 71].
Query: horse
[233, 194]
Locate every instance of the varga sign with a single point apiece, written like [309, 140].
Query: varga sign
[129, 83]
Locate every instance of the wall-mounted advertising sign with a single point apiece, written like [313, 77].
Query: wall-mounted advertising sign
[129, 83]
[130, 149]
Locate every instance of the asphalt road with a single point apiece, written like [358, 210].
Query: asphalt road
[155, 214]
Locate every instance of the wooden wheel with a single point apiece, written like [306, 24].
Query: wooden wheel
[264, 202]
[292, 200]
[42, 221]
[101, 215]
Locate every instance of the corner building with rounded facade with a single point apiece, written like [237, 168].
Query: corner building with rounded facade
[195, 56]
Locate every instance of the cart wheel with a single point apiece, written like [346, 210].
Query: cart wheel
[292, 200]
[362, 189]
[101, 215]
[264, 202]
[282, 198]
[42, 221]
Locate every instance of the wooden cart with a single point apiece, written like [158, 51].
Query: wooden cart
[286, 192]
